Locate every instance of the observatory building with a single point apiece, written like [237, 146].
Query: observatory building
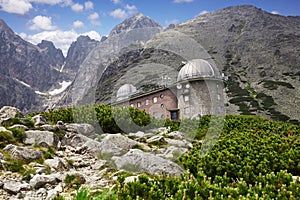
[198, 91]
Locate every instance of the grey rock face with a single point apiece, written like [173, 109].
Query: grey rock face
[39, 181]
[83, 128]
[2, 129]
[42, 138]
[137, 21]
[39, 120]
[137, 160]
[85, 84]
[24, 61]
[116, 143]
[22, 153]
[7, 113]
[14, 187]
[51, 55]
[77, 53]
[56, 163]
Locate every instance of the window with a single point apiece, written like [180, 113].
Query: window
[220, 109]
[138, 104]
[187, 86]
[154, 99]
[186, 110]
[219, 97]
[132, 105]
[155, 115]
[161, 96]
[147, 102]
[186, 98]
[162, 116]
[162, 105]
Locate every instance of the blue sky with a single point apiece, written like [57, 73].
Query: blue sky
[62, 21]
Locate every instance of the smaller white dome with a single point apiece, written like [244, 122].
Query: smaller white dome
[125, 91]
[197, 68]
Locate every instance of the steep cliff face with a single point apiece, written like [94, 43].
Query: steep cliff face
[14, 92]
[51, 55]
[132, 31]
[258, 51]
[25, 61]
[77, 52]
[138, 21]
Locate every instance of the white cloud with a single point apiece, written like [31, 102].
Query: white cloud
[78, 24]
[119, 14]
[42, 23]
[183, 1]
[116, 1]
[203, 12]
[94, 19]
[50, 2]
[131, 9]
[94, 16]
[174, 21]
[124, 13]
[20, 7]
[93, 35]
[61, 39]
[77, 7]
[23, 35]
[89, 5]
[275, 12]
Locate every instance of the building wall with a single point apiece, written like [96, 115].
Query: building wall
[201, 98]
[166, 101]
[205, 97]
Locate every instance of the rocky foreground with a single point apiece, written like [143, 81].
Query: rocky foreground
[51, 160]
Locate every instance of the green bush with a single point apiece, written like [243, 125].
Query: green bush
[19, 134]
[109, 119]
[14, 166]
[6, 138]
[74, 181]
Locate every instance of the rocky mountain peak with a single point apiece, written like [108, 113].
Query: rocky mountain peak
[136, 21]
[78, 51]
[45, 44]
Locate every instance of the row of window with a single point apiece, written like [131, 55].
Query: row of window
[147, 102]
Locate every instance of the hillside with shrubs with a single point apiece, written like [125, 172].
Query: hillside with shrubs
[250, 158]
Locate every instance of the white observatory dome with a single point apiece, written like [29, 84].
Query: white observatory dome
[197, 68]
[125, 91]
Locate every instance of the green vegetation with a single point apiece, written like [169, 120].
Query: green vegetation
[128, 119]
[23, 121]
[254, 158]
[74, 181]
[6, 138]
[19, 134]
[273, 85]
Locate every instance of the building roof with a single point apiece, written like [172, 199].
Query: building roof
[197, 68]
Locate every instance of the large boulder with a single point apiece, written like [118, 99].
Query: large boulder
[44, 138]
[8, 113]
[116, 143]
[4, 130]
[84, 129]
[57, 163]
[23, 153]
[39, 120]
[74, 140]
[14, 187]
[138, 161]
[39, 181]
